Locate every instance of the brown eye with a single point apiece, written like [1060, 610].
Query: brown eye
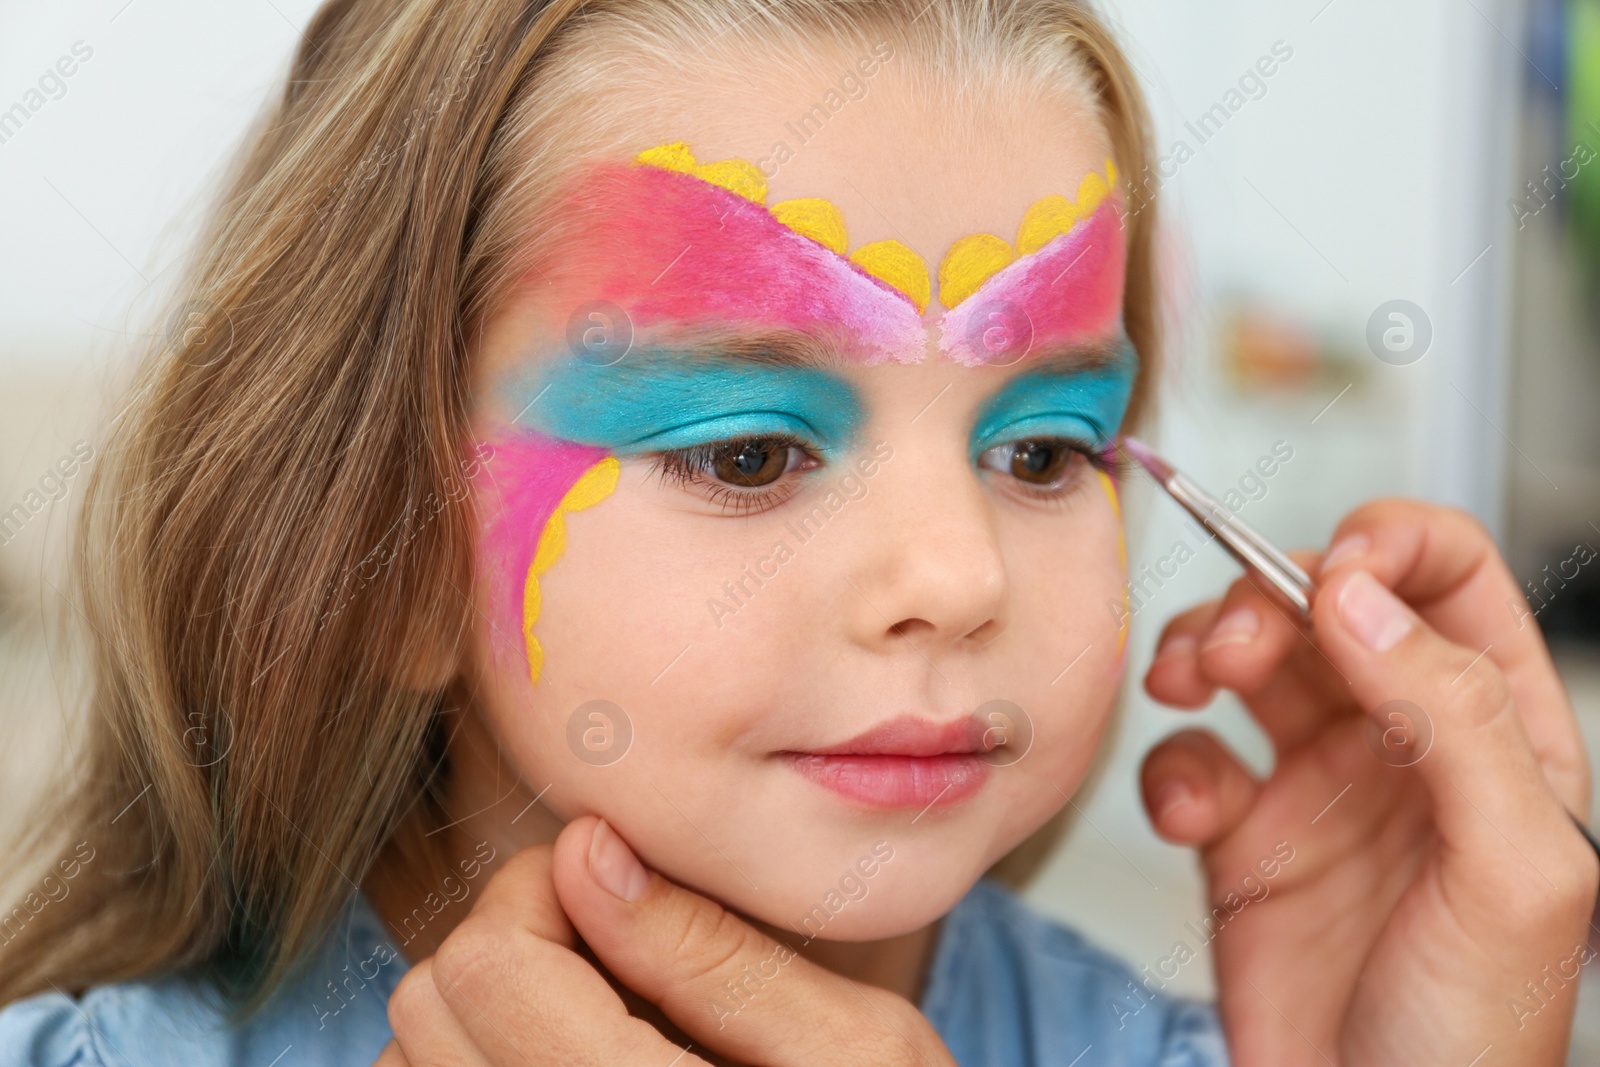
[751, 463]
[1039, 462]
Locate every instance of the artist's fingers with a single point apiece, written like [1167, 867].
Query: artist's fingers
[1282, 676]
[1250, 635]
[426, 1031]
[1195, 790]
[519, 991]
[1508, 842]
[1445, 564]
[1174, 677]
[1256, 648]
[522, 897]
[727, 985]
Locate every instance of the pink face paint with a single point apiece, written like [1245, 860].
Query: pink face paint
[1067, 292]
[536, 479]
[668, 247]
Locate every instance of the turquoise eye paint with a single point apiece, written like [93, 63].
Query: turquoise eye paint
[1081, 405]
[657, 402]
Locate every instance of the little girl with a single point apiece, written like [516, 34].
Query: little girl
[629, 555]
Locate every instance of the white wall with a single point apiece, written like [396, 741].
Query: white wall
[98, 182]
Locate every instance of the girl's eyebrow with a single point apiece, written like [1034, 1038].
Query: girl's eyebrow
[762, 348]
[799, 348]
[1076, 358]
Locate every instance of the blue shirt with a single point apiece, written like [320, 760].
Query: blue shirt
[1006, 988]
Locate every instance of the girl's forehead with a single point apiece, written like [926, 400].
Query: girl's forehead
[671, 238]
[905, 149]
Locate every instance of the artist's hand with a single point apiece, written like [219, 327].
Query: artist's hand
[1428, 883]
[509, 986]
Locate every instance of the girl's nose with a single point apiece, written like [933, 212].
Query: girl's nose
[926, 565]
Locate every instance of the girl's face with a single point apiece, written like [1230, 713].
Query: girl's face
[797, 563]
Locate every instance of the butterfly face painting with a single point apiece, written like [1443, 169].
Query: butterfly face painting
[738, 316]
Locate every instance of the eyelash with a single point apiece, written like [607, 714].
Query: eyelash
[687, 467]
[1107, 460]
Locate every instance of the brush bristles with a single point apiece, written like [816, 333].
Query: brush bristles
[1159, 469]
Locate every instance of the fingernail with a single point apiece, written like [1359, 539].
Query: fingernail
[1179, 645]
[1346, 548]
[1237, 627]
[614, 865]
[1375, 615]
[1170, 797]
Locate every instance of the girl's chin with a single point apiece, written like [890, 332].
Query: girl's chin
[880, 915]
[854, 906]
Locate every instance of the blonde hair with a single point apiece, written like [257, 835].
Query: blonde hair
[269, 555]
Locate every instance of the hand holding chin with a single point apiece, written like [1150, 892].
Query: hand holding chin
[512, 984]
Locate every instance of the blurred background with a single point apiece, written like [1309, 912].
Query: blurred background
[1382, 246]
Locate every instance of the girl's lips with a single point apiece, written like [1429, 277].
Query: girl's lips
[906, 762]
[892, 781]
[911, 735]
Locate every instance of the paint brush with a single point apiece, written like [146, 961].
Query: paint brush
[1286, 581]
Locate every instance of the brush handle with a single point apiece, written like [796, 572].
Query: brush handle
[1286, 581]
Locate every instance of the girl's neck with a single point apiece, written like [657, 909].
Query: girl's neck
[501, 817]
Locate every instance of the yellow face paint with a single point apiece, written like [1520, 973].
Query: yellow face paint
[735, 175]
[593, 486]
[815, 218]
[1046, 220]
[969, 262]
[973, 260]
[894, 263]
[1110, 488]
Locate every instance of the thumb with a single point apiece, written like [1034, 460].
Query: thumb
[726, 984]
[1504, 827]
